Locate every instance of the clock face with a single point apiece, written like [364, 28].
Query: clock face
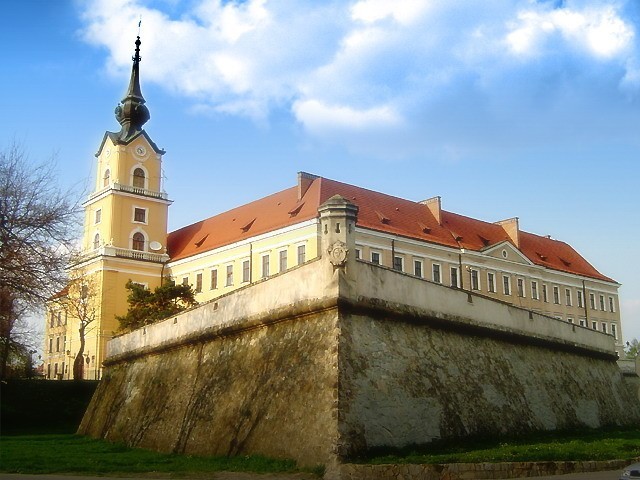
[141, 151]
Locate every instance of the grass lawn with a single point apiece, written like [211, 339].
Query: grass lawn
[603, 444]
[39, 454]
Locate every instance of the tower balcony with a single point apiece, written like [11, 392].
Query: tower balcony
[111, 251]
[120, 187]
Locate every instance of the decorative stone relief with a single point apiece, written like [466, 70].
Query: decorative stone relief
[338, 254]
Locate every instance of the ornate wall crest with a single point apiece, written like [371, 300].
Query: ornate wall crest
[338, 254]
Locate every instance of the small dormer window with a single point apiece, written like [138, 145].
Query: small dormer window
[138, 241]
[107, 178]
[138, 178]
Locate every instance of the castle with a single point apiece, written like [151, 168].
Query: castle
[125, 238]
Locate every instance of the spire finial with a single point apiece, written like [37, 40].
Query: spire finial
[132, 113]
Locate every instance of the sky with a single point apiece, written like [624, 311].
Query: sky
[504, 108]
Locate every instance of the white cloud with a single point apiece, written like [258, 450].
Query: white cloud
[402, 11]
[411, 65]
[599, 31]
[320, 118]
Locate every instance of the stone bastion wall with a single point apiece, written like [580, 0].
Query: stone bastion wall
[337, 356]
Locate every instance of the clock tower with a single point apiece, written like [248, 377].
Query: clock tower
[125, 222]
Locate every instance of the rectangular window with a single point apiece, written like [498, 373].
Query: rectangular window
[545, 296]
[604, 327]
[580, 299]
[198, 282]
[53, 319]
[265, 266]
[491, 282]
[302, 255]
[602, 303]
[556, 295]
[229, 275]
[98, 215]
[506, 285]
[375, 258]
[358, 254]
[582, 322]
[534, 289]
[594, 325]
[283, 260]
[398, 264]
[454, 277]
[185, 280]
[435, 273]
[475, 279]
[592, 301]
[570, 320]
[51, 345]
[520, 282]
[139, 215]
[417, 268]
[612, 307]
[614, 331]
[567, 296]
[246, 271]
[57, 344]
[214, 279]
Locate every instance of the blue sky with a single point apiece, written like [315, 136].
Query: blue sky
[502, 107]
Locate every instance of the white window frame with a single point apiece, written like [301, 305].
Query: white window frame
[211, 276]
[286, 260]
[418, 261]
[146, 215]
[146, 175]
[491, 282]
[98, 216]
[228, 283]
[265, 267]
[438, 267]
[378, 253]
[568, 297]
[474, 279]
[246, 270]
[302, 246]
[556, 295]
[401, 269]
[506, 287]
[603, 306]
[535, 294]
[612, 304]
[580, 298]
[454, 268]
[521, 285]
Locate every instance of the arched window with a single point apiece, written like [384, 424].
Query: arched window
[106, 178]
[96, 241]
[138, 178]
[138, 241]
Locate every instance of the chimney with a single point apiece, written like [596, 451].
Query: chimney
[304, 182]
[512, 229]
[435, 207]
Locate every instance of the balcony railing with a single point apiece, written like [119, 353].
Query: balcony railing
[110, 251]
[130, 189]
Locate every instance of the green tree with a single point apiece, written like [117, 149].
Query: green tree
[632, 349]
[146, 307]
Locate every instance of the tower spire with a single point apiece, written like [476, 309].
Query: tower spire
[132, 113]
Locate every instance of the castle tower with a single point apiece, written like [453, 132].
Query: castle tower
[125, 233]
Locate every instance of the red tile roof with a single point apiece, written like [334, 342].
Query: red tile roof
[377, 211]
